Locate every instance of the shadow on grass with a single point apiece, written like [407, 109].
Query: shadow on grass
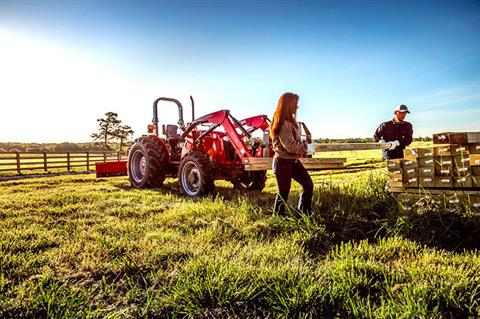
[348, 217]
[453, 230]
[223, 192]
[345, 214]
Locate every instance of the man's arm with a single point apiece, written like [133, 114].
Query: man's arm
[409, 135]
[379, 132]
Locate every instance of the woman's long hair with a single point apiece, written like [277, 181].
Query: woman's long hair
[286, 108]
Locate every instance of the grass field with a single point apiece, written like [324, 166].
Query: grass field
[80, 247]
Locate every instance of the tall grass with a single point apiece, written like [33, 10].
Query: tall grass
[76, 246]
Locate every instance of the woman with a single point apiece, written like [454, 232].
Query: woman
[288, 147]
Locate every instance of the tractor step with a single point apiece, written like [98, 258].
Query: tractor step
[109, 169]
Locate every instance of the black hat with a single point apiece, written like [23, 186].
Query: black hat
[401, 108]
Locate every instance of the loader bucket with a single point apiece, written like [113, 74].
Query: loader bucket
[109, 169]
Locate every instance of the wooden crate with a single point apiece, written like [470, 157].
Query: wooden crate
[456, 138]
[443, 166]
[443, 182]
[444, 150]
[426, 162]
[395, 180]
[394, 164]
[460, 150]
[426, 171]
[393, 172]
[410, 182]
[425, 152]
[410, 163]
[455, 200]
[475, 159]
[474, 148]
[426, 181]
[461, 161]
[434, 191]
[475, 181]
[474, 201]
[462, 171]
[475, 170]
[447, 199]
[410, 172]
[462, 182]
[410, 154]
[443, 170]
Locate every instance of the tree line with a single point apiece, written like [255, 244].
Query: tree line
[361, 140]
[112, 135]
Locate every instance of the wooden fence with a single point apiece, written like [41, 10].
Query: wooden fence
[22, 162]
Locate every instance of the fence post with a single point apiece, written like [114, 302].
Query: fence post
[88, 161]
[68, 161]
[45, 161]
[18, 162]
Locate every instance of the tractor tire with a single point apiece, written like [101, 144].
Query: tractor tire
[251, 181]
[147, 163]
[196, 175]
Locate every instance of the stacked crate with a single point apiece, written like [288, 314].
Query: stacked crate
[450, 168]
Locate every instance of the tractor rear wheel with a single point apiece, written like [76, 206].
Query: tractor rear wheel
[196, 174]
[147, 163]
[250, 181]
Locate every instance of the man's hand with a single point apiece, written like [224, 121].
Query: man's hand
[394, 145]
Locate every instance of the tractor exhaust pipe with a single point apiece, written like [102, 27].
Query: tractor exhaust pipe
[181, 124]
[193, 108]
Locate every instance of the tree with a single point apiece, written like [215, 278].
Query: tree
[107, 128]
[122, 133]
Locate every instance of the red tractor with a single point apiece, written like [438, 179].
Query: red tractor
[209, 148]
[214, 146]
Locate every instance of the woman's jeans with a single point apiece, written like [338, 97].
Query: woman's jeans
[285, 170]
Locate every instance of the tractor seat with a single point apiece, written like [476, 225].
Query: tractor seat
[172, 131]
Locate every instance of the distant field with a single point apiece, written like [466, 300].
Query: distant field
[76, 247]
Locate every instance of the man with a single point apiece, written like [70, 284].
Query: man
[397, 131]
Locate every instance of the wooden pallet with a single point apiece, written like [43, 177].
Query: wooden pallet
[435, 191]
[265, 163]
[456, 138]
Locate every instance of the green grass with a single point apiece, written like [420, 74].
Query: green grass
[80, 247]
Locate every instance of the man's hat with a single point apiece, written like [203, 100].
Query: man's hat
[401, 108]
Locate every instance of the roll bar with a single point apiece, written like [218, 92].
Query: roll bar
[181, 123]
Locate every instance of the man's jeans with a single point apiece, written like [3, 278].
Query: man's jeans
[285, 170]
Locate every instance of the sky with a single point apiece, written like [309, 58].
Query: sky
[64, 64]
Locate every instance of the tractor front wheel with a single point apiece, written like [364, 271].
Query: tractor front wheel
[196, 175]
[147, 163]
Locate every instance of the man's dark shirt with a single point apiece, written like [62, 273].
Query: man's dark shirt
[390, 131]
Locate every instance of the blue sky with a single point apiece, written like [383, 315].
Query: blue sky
[66, 63]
